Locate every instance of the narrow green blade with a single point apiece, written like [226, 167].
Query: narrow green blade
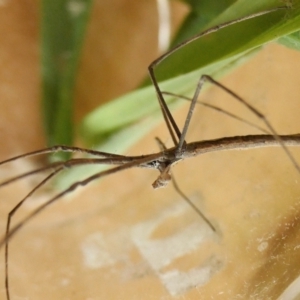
[63, 26]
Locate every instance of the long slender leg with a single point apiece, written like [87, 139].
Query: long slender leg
[60, 166]
[165, 110]
[119, 160]
[201, 81]
[258, 114]
[60, 148]
[190, 114]
[163, 147]
[197, 210]
[136, 163]
[9, 218]
[220, 110]
[68, 164]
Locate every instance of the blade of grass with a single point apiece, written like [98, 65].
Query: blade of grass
[63, 25]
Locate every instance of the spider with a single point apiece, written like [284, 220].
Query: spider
[163, 160]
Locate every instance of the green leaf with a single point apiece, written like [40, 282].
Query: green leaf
[232, 40]
[291, 41]
[200, 15]
[63, 26]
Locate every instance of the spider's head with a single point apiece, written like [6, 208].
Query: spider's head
[163, 179]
